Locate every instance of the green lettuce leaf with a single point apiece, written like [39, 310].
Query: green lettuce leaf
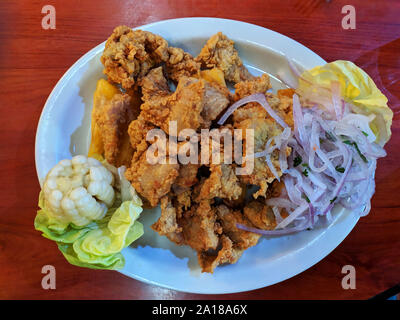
[97, 245]
[114, 262]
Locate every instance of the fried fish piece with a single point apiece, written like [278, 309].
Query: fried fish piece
[112, 118]
[245, 88]
[181, 64]
[167, 224]
[196, 227]
[281, 103]
[154, 85]
[137, 132]
[221, 180]
[222, 183]
[254, 85]
[185, 105]
[209, 230]
[261, 175]
[152, 181]
[216, 99]
[254, 117]
[260, 215]
[233, 241]
[187, 177]
[183, 202]
[208, 261]
[194, 104]
[219, 51]
[228, 219]
[200, 228]
[130, 54]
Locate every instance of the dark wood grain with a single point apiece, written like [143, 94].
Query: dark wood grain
[32, 60]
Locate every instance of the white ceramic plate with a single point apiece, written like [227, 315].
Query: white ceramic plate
[64, 131]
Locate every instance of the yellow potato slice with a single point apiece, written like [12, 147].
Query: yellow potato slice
[104, 91]
[213, 75]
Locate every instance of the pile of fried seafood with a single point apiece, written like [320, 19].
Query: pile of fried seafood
[201, 204]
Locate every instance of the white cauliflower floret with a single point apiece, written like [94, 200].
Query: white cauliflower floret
[79, 190]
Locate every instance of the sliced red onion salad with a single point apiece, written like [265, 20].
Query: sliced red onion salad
[333, 161]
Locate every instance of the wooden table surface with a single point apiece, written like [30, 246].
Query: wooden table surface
[33, 59]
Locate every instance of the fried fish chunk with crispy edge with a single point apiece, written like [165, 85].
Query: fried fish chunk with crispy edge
[130, 54]
[255, 85]
[119, 152]
[187, 177]
[254, 116]
[137, 132]
[260, 215]
[181, 64]
[216, 99]
[222, 181]
[154, 85]
[112, 118]
[181, 190]
[180, 177]
[167, 224]
[208, 261]
[246, 88]
[260, 175]
[196, 227]
[200, 228]
[152, 181]
[209, 230]
[233, 241]
[281, 103]
[193, 105]
[219, 51]
[228, 218]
